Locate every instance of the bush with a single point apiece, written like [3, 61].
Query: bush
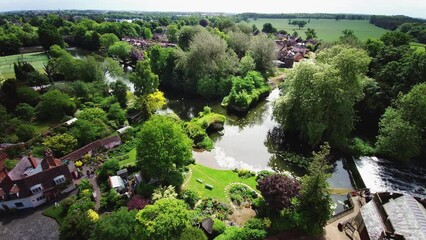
[240, 194]
[244, 173]
[25, 132]
[24, 111]
[175, 179]
[262, 174]
[190, 197]
[193, 233]
[137, 202]
[361, 148]
[145, 189]
[218, 227]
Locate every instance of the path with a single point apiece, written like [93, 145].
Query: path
[97, 191]
[331, 231]
[28, 224]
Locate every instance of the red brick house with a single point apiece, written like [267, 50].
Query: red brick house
[33, 181]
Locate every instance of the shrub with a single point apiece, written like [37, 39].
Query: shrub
[361, 148]
[262, 174]
[244, 173]
[193, 233]
[190, 197]
[145, 189]
[218, 227]
[240, 193]
[25, 132]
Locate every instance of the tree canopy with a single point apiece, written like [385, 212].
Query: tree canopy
[162, 147]
[165, 219]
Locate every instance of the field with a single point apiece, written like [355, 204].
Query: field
[327, 29]
[219, 179]
[36, 59]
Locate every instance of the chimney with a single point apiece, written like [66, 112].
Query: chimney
[48, 155]
[32, 161]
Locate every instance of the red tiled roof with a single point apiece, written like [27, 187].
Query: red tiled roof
[33, 161]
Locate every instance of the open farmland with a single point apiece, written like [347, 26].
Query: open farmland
[36, 59]
[327, 29]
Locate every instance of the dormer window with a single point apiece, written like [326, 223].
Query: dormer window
[59, 179]
[36, 189]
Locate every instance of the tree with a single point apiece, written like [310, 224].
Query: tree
[117, 114]
[90, 114]
[190, 197]
[278, 190]
[76, 225]
[395, 38]
[108, 168]
[120, 50]
[349, 38]
[116, 225]
[310, 33]
[155, 101]
[262, 50]
[186, 34]
[60, 144]
[162, 147]
[315, 201]
[24, 111]
[312, 107]
[88, 131]
[193, 233]
[204, 22]
[54, 105]
[268, 28]
[107, 40]
[25, 132]
[144, 80]
[239, 42]
[147, 34]
[165, 219]
[401, 128]
[120, 92]
[172, 33]
[48, 35]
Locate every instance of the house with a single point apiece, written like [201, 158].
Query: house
[106, 143]
[33, 181]
[391, 216]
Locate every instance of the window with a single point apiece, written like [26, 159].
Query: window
[40, 198]
[36, 189]
[59, 179]
[19, 204]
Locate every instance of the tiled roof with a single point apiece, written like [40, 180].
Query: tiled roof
[22, 168]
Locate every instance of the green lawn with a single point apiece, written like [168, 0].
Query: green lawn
[56, 213]
[327, 29]
[36, 59]
[420, 47]
[219, 179]
[130, 161]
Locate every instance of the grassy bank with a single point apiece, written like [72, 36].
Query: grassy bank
[327, 29]
[219, 179]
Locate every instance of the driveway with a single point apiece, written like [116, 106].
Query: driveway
[28, 225]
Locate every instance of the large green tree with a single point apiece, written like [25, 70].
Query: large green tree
[318, 98]
[54, 105]
[60, 144]
[116, 225]
[262, 50]
[402, 128]
[144, 80]
[165, 219]
[48, 35]
[315, 201]
[163, 147]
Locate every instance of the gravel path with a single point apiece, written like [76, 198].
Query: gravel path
[28, 225]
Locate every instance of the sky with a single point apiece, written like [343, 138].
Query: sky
[413, 8]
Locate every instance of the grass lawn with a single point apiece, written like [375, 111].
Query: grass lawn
[56, 213]
[327, 29]
[219, 179]
[36, 59]
[130, 161]
[420, 47]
